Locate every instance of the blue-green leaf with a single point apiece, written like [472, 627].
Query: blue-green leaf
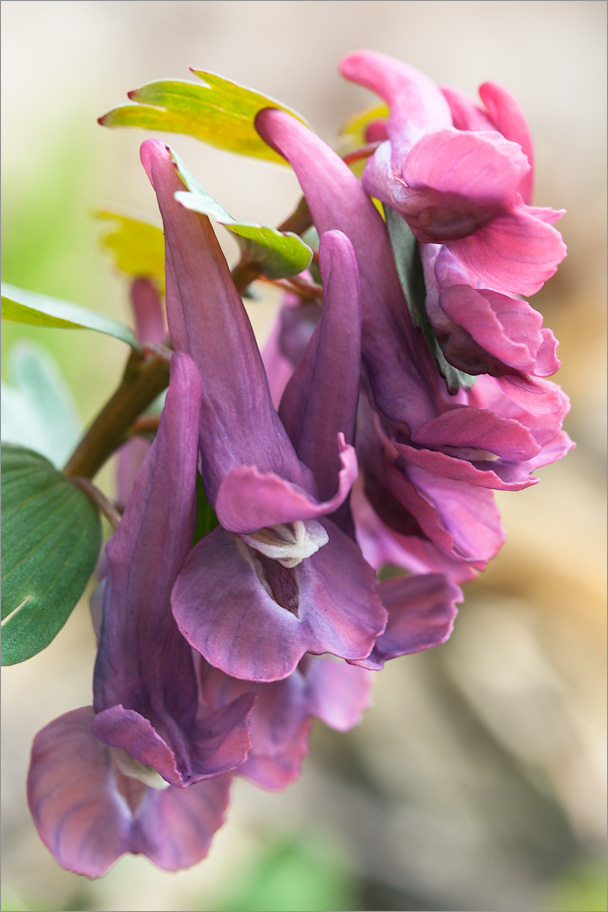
[38, 409]
[51, 535]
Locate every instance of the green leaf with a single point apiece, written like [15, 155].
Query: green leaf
[51, 535]
[411, 278]
[38, 409]
[219, 112]
[36, 309]
[276, 253]
[138, 246]
[206, 520]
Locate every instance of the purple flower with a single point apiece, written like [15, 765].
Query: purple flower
[95, 773]
[451, 436]
[466, 188]
[320, 687]
[278, 578]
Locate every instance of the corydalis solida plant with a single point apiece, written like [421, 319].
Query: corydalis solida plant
[404, 381]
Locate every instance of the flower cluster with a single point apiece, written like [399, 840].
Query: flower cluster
[337, 452]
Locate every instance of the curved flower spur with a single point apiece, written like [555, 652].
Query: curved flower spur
[278, 578]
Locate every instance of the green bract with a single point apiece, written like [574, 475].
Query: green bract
[51, 535]
[218, 112]
[23, 306]
[277, 254]
[411, 278]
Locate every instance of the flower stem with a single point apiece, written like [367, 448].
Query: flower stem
[144, 378]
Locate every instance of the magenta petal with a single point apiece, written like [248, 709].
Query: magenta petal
[248, 500]
[465, 427]
[421, 612]
[78, 811]
[515, 253]
[484, 169]
[508, 118]
[338, 693]
[229, 606]
[416, 103]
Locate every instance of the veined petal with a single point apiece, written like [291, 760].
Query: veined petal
[515, 253]
[456, 182]
[465, 428]
[421, 612]
[148, 311]
[255, 620]
[508, 118]
[80, 814]
[88, 813]
[248, 500]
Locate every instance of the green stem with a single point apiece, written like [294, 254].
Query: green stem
[142, 381]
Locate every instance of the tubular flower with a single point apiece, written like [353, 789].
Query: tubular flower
[110, 779]
[278, 578]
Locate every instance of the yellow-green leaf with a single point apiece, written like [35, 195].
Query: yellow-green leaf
[138, 246]
[23, 306]
[218, 112]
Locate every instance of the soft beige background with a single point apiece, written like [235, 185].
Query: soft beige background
[477, 781]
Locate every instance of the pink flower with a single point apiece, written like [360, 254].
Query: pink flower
[465, 186]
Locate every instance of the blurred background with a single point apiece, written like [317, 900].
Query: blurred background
[477, 780]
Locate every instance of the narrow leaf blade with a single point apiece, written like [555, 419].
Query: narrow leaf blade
[23, 306]
[51, 535]
[218, 112]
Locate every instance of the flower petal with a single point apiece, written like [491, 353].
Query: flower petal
[248, 500]
[421, 612]
[79, 812]
[255, 620]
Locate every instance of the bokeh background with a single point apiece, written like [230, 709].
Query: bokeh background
[477, 780]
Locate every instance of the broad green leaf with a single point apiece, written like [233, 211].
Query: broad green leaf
[51, 535]
[277, 254]
[38, 409]
[23, 306]
[218, 112]
[138, 246]
[411, 278]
